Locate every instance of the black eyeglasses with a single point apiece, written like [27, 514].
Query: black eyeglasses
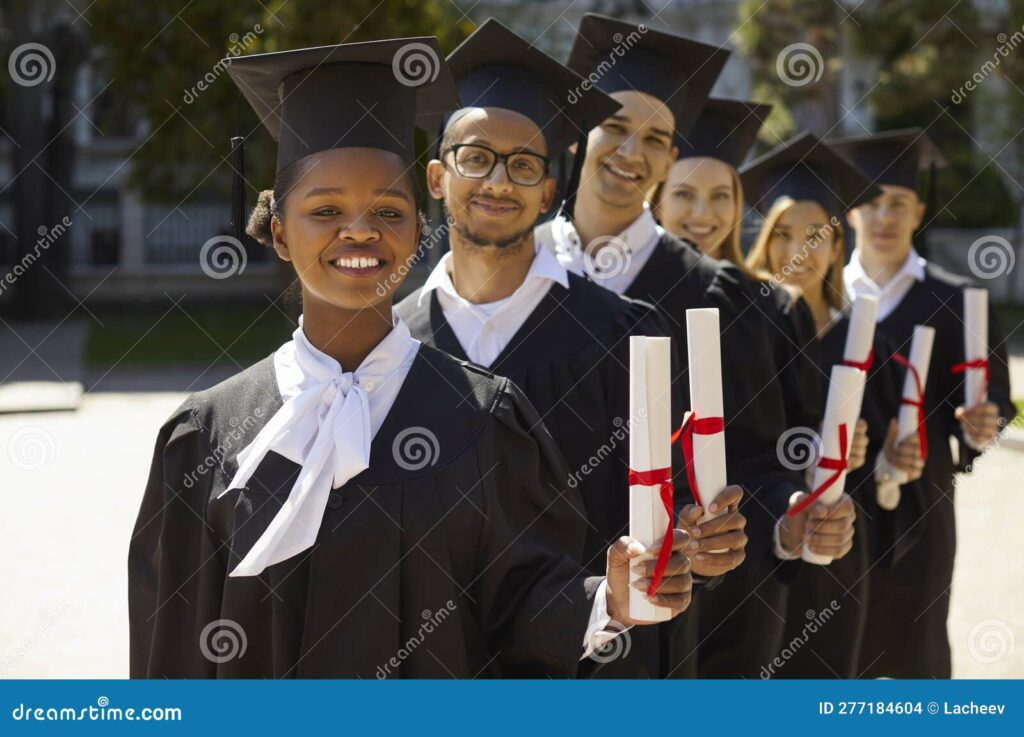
[477, 162]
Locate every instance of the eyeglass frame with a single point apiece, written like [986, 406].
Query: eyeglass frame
[498, 158]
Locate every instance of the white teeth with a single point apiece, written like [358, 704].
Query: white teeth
[357, 262]
[700, 229]
[626, 174]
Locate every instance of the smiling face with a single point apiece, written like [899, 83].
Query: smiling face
[698, 202]
[494, 210]
[803, 246]
[348, 226]
[630, 152]
[885, 226]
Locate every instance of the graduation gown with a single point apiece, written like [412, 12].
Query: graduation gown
[909, 606]
[460, 565]
[571, 359]
[827, 607]
[738, 622]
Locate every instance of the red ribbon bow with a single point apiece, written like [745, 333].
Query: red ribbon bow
[977, 363]
[830, 464]
[922, 431]
[864, 365]
[658, 477]
[693, 425]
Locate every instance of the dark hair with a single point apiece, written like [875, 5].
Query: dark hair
[270, 203]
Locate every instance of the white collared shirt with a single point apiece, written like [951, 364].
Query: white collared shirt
[484, 330]
[857, 282]
[620, 258]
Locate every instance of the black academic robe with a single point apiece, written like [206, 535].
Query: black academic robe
[735, 625]
[459, 564]
[571, 358]
[909, 605]
[827, 607]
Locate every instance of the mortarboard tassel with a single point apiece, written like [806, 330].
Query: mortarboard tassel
[238, 188]
[569, 203]
[921, 236]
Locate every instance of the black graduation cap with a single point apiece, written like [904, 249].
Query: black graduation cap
[725, 130]
[625, 56]
[348, 95]
[495, 67]
[892, 157]
[804, 168]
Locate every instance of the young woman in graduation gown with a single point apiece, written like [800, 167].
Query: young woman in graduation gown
[827, 607]
[409, 517]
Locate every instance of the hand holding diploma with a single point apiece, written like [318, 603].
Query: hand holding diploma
[627, 559]
[718, 544]
[979, 418]
[823, 530]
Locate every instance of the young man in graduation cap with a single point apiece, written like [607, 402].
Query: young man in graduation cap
[366, 480]
[662, 81]
[499, 301]
[907, 634]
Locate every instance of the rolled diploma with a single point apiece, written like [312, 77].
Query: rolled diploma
[920, 357]
[704, 354]
[975, 344]
[845, 392]
[649, 448]
[861, 334]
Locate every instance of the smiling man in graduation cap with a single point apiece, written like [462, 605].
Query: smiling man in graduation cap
[907, 636]
[502, 302]
[662, 82]
[367, 485]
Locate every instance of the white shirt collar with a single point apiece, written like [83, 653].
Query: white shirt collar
[326, 425]
[620, 258]
[544, 266]
[855, 275]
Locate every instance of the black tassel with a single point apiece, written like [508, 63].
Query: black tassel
[238, 188]
[568, 208]
[930, 213]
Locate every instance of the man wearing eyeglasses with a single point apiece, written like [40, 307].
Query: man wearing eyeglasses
[500, 301]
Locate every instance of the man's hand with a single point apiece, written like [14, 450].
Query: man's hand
[676, 584]
[723, 534]
[826, 530]
[906, 454]
[979, 423]
[859, 446]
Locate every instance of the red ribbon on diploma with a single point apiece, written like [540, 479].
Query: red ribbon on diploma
[659, 477]
[693, 425]
[922, 431]
[977, 363]
[830, 464]
[864, 365]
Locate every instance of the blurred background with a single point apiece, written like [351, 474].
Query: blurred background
[121, 289]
